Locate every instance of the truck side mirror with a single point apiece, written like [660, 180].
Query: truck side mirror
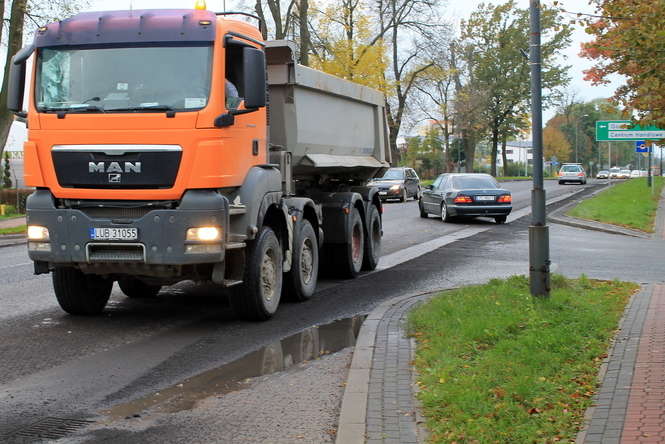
[254, 77]
[16, 87]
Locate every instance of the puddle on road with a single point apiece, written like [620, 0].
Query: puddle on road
[307, 345]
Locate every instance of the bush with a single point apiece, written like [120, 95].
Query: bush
[9, 197]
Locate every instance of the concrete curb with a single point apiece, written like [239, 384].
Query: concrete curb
[10, 240]
[353, 413]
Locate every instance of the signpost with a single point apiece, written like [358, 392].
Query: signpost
[624, 130]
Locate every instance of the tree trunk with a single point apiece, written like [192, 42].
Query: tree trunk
[393, 132]
[14, 44]
[304, 33]
[258, 8]
[495, 149]
[504, 156]
[469, 144]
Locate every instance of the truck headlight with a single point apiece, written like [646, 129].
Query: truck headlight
[204, 234]
[37, 233]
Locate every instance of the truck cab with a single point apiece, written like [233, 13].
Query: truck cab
[150, 169]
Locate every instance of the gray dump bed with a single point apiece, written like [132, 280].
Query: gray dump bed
[331, 126]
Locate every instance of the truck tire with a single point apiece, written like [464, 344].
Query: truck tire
[300, 282]
[135, 289]
[372, 239]
[257, 298]
[348, 257]
[79, 293]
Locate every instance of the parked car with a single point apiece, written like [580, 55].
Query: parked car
[398, 183]
[604, 174]
[572, 172]
[634, 173]
[466, 195]
[625, 174]
[615, 172]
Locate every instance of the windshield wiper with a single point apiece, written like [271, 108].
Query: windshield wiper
[85, 109]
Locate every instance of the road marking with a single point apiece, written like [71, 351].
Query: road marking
[15, 265]
[414, 251]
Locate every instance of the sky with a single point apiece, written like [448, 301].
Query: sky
[453, 11]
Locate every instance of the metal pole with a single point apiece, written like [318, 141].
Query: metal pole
[649, 178]
[577, 129]
[539, 238]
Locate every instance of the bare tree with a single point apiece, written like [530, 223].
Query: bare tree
[25, 16]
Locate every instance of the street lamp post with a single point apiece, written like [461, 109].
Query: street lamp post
[539, 238]
[577, 130]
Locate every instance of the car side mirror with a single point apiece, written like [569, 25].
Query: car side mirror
[429, 187]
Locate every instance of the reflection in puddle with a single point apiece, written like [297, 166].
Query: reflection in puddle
[304, 346]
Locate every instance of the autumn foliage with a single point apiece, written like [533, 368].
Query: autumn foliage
[629, 40]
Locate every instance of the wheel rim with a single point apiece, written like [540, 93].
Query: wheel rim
[268, 276]
[306, 261]
[444, 212]
[356, 244]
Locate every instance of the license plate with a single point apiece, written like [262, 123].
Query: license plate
[382, 193]
[484, 197]
[123, 234]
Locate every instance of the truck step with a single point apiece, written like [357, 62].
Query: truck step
[237, 237]
[231, 283]
[235, 210]
[234, 245]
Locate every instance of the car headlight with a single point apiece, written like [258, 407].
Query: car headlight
[395, 187]
[204, 234]
[37, 233]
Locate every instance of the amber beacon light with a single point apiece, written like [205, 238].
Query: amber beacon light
[200, 4]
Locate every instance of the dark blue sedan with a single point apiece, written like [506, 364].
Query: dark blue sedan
[466, 195]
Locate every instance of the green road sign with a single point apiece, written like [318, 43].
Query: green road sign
[623, 130]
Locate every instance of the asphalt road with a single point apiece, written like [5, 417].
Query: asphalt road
[55, 365]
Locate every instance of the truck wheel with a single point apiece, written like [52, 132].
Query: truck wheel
[258, 297]
[348, 257]
[300, 282]
[135, 289]
[79, 293]
[372, 240]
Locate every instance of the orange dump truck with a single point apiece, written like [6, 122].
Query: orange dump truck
[170, 145]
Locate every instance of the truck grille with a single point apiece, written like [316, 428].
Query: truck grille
[108, 252]
[116, 166]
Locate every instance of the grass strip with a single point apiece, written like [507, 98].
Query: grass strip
[629, 204]
[497, 366]
[13, 230]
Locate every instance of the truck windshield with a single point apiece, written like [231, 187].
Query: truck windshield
[145, 79]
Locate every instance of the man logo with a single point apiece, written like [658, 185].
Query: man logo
[115, 178]
[114, 167]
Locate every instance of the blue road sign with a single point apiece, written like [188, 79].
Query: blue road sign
[641, 146]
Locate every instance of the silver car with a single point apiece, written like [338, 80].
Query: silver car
[572, 172]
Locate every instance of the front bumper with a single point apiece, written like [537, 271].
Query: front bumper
[391, 194]
[480, 210]
[161, 232]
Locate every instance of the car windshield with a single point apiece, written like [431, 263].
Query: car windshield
[571, 168]
[123, 79]
[474, 183]
[393, 174]
[603, 172]
[615, 170]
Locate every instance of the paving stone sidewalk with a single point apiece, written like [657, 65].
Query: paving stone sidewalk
[630, 406]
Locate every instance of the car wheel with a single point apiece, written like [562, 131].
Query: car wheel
[419, 193]
[404, 196]
[501, 219]
[444, 213]
[423, 213]
[561, 182]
